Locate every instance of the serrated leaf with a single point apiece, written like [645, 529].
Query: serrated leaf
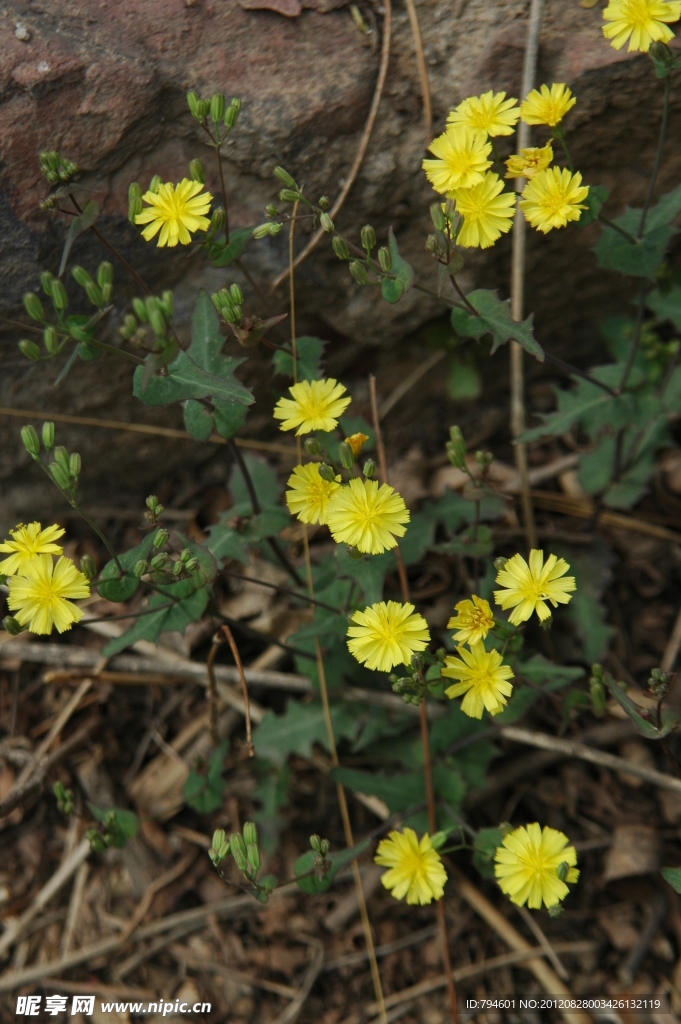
[544, 675]
[187, 380]
[485, 847]
[229, 417]
[309, 353]
[586, 611]
[272, 792]
[265, 482]
[312, 884]
[224, 543]
[296, 731]
[222, 255]
[598, 194]
[494, 317]
[204, 792]
[667, 307]
[198, 420]
[78, 225]
[642, 258]
[585, 400]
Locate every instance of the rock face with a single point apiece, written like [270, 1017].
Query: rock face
[105, 84]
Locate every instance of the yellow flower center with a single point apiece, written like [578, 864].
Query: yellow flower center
[637, 13]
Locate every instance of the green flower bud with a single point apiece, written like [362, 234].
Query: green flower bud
[79, 333]
[191, 564]
[88, 566]
[598, 693]
[141, 568]
[250, 833]
[48, 436]
[193, 103]
[75, 465]
[369, 469]
[346, 455]
[432, 244]
[275, 229]
[271, 210]
[450, 210]
[29, 349]
[46, 279]
[81, 276]
[326, 222]
[134, 191]
[236, 294]
[438, 839]
[368, 237]
[417, 662]
[107, 294]
[97, 844]
[134, 210]
[354, 554]
[284, 177]
[160, 561]
[105, 274]
[232, 113]
[60, 476]
[155, 183]
[129, 327]
[218, 219]
[315, 843]
[140, 310]
[202, 108]
[153, 504]
[30, 440]
[456, 448]
[359, 272]
[167, 303]
[158, 323]
[219, 847]
[253, 854]
[484, 459]
[324, 203]
[262, 230]
[438, 217]
[161, 538]
[385, 259]
[59, 296]
[196, 171]
[217, 109]
[94, 294]
[312, 446]
[33, 306]
[238, 850]
[11, 626]
[287, 195]
[327, 473]
[500, 563]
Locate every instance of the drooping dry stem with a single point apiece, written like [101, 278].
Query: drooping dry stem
[421, 64]
[244, 689]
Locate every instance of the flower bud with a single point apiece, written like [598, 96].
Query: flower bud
[236, 294]
[154, 505]
[324, 203]
[107, 294]
[196, 171]
[60, 476]
[161, 538]
[327, 473]
[284, 177]
[262, 231]
[271, 210]
[33, 306]
[340, 247]
[368, 237]
[202, 108]
[192, 102]
[134, 191]
[141, 568]
[81, 276]
[484, 459]
[369, 469]
[105, 274]
[250, 833]
[75, 465]
[30, 440]
[219, 847]
[88, 566]
[417, 662]
[166, 303]
[316, 843]
[275, 229]
[346, 455]
[359, 272]
[134, 210]
[29, 349]
[287, 195]
[48, 435]
[598, 693]
[432, 244]
[140, 310]
[456, 448]
[11, 626]
[500, 563]
[238, 849]
[312, 446]
[232, 113]
[129, 327]
[158, 323]
[59, 296]
[253, 854]
[160, 561]
[94, 294]
[79, 333]
[326, 222]
[438, 217]
[217, 110]
[155, 183]
[46, 279]
[385, 259]
[218, 219]
[354, 554]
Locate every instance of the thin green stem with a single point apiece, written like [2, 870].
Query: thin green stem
[74, 504]
[281, 590]
[569, 368]
[469, 305]
[658, 157]
[616, 227]
[559, 134]
[633, 348]
[500, 166]
[112, 249]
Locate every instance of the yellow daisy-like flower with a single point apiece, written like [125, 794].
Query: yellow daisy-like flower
[39, 597]
[367, 517]
[527, 588]
[473, 620]
[533, 865]
[175, 211]
[314, 405]
[491, 113]
[308, 497]
[642, 22]
[387, 634]
[416, 869]
[487, 212]
[553, 197]
[26, 543]
[357, 442]
[484, 680]
[544, 106]
[461, 159]
[527, 162]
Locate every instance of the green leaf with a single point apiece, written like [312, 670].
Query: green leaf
[198, 420]
[485, 847]
[309, 353]
[418, 538]
[222, 255]
[114, 587]
[78, 225]
[402, 274]
[126, 821]
[368, 572]
[392, 290]
[464, 381]
[642, 258]
[164, 620]
[494, 317]
[313, 884]
[229, 417]
[272, 792]
[586, 611]
[404, 790]
[224, 542]
[586, 401]
[597, 196]
[667, 307]
[187, 380]
[296, 731]
[265, 482]
[645, 721]
[542, 673]
[673, 876]
[204, 792]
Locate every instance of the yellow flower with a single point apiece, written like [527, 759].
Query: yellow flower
[357, 442]
[314, 405]
[461, 159]
[26, 543]
[175, 211]
[526, 163]
[484, 680]
[39, 596]
[533, 865]
[473, 620]
[553, 197]
[487, 212]
[491, 113]
[367, 517]
[642, 22]
[387, 634]
[308, 497]
[547, 107]
[416, 870]
[528, 587]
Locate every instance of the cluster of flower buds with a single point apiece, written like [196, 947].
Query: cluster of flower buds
[54, 289]
[658, 683]
[64, 798]
[111, 834]
[219, 847]
[456, 448]
[664, 59]
[246, 855]
[153, 311]
[320, 849]
[447, 223]
[216, 108]
[56, 169]
[229, 304]
[99, 293]
[413, 687]
[598, 691]
[270, 228]
[65, 469]
[154, 510]
[292, 192]
[32, 441]
[161, 568]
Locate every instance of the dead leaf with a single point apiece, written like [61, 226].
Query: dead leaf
[635, 851]
[406, 476]
[618, 925]
[670, 805]
[639, 754]
[289, 8]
